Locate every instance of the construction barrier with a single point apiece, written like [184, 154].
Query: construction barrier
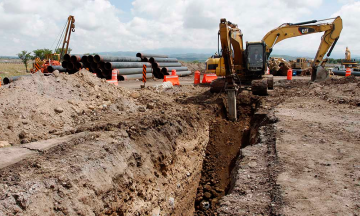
[114, 79]
[289, 74]
[348, 72]
[208, 78]
[197, 77]
[173, 79]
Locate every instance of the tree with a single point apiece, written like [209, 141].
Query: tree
[41, 53]
[25, 56]
[58, 51]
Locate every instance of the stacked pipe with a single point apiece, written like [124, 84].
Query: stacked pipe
[71, 64]
[163, 65]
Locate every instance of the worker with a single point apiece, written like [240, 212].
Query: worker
[256, 56]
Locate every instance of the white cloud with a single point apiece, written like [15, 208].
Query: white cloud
[193, 24]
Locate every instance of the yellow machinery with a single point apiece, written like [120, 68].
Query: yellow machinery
[248, 64]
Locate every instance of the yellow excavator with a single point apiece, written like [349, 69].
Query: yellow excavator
[247, 65]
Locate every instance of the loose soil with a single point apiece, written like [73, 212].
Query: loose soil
[173, 151]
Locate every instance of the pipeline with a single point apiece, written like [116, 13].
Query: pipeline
[98, 58]
[147, 55]
[84, 59]
[64, 64]
[154, 60]
[342, 73]
[129, 71]
[67, 57]
[173, 64]
[90, 59]
[8, 80]
[75, 58]
[113, 65]
[70, 66]
[79, 65]
[167, 70]
[51, 69]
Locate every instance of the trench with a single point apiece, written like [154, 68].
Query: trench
[226, 140]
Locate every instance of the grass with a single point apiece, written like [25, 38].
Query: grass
[9, 70]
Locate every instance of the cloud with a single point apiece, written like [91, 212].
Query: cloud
[193, 24]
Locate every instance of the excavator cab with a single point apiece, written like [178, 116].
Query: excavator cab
[256, 57]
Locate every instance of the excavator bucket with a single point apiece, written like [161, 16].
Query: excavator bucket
[319, 74]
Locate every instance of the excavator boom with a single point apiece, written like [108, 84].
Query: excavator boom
[331, 35]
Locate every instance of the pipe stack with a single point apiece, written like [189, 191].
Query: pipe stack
[126, 67]
[163, 65]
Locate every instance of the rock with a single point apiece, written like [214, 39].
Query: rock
[22, 135]
[135, 95]
[150, 106]
[4, 144]
[59, 110]
[172, 202]
[56, 73]
[207, 187]
[204, 205]
[141, 109]
[91, 107]
[207, 195]
[252, 164]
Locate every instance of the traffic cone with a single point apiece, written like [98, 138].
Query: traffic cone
[268, 71]
[114, 79]
[348, 72]
[197, 78]
[289, 74]
[173, 72]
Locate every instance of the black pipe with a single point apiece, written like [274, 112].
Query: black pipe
[90, 59]
[8, 80]
[153, 60]
[75, 58]
[142, 55]
[67, 57]
[64, 64]
[94, 65]
[79, 65]
[51, 69]
[167, 70]
[84, 59]
[98, 58]
[70, 66]
[133, 76]
[173, 64]
[113, 65]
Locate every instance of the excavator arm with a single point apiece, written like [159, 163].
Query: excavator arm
[331, 35]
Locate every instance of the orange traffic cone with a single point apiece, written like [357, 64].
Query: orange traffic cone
[173, 73]
[289, 74]
[114, 79]
[348, 72]
[268, 70]
[197, 78]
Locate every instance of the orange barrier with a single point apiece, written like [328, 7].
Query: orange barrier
[208, 78]
[173, 79]
[173, 72]
[114, 79]
[348, 72]
[289, 74]
[197, 77]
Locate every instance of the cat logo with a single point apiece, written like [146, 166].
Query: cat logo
[306, 30]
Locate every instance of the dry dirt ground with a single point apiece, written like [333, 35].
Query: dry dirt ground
[116, 151]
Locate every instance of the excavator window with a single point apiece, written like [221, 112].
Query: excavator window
[212, 66]
[256, 58]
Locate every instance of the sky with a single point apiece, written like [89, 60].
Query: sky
[171, 25]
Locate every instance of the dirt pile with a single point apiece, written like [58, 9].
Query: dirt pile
[41, 107]
[199, 66]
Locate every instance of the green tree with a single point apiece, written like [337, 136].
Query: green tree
[25, 56]
[58, 51]
[41, 53]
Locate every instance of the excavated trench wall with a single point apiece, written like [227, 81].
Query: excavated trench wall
[148, 167]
